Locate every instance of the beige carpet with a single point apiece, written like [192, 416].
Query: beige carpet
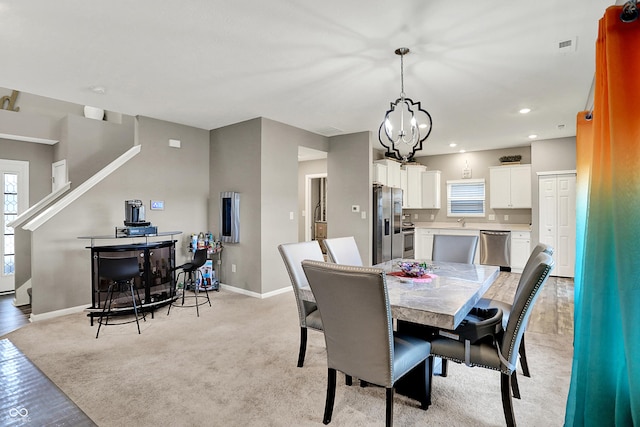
[235, 365]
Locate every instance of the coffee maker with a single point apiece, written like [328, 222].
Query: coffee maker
[134, 220]
[134, 214]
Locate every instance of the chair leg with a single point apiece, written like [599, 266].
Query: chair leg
[135, 307]
[143, 314]
[523, 359]
[444, 368]
[507, 404]
[430, 376]
[195, 291]
[348, 380]
[389, 420]
[514, 385]
[106, 309]
[331, 396]
[303, 346]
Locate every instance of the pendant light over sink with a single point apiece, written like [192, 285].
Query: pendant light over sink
[406, 125]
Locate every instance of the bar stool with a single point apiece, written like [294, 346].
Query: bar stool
[120, 273]
[190, 272]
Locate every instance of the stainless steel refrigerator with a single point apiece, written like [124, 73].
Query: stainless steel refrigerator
[387, 224]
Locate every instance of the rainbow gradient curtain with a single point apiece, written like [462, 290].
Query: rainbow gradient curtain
[605, 379]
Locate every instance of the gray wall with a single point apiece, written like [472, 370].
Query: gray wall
[547, 156]
[349, 169]
[451, 166]
[40, 157]
[60, 261]
[78, 145]
[235, 153]
[258, 158]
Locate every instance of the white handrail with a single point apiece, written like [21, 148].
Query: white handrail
[35, 208]
[51, 211]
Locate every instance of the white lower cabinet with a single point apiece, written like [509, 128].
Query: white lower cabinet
[424, 241]
[520, 250]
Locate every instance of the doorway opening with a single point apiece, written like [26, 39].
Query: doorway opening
[316, 206]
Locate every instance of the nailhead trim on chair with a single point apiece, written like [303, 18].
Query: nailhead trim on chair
[505, 369]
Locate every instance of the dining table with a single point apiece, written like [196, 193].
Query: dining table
[440, 299]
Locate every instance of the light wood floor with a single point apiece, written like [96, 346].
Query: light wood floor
[552, 312]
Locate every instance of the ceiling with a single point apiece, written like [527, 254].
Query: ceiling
[327, 67]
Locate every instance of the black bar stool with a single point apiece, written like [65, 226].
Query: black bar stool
[190, 272]
[120, 273]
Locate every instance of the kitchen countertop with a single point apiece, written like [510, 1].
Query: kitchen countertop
[474, 226]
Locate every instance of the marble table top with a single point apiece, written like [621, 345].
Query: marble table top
[444, 301]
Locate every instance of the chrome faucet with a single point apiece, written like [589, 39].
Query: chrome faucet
[462, 222]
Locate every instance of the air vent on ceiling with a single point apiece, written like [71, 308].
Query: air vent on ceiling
[567, 45]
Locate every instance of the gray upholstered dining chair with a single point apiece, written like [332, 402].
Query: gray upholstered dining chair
[506, 307]
[453, 248]
[500, 351]
[358, 330]
[293, 254]
[343, 250]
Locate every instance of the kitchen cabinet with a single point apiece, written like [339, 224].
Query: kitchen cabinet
[379, 174]
[392, 172]
[423, 244]
[414, 185]
[510, 187]
[403, 185]
[431, 190]
[520, 250]
[424, 240]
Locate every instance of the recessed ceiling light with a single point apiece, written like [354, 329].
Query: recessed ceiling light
[462, 151]
[525, 110]
[533, 136]
[453, 144]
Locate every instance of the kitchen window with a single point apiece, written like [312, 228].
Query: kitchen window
[466, 198]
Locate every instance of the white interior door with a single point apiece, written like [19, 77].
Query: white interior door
[566, 223]
[59, 175]
[557, 224]
[14, 181]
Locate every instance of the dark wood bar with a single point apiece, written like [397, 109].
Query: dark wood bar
[157, 272]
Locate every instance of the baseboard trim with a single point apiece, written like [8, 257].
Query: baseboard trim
[256, 294]
[56, 313]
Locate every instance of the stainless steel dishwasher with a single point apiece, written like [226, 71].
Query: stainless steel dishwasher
[495, 248]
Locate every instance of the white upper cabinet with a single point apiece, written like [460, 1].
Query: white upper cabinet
[414, 186]
[403, 185]
[379, 174]
[510, 187]
[431, 190]
[392, 172]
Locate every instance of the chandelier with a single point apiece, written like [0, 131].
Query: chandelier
[406, 125]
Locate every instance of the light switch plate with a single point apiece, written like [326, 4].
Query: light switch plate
[492, 217]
